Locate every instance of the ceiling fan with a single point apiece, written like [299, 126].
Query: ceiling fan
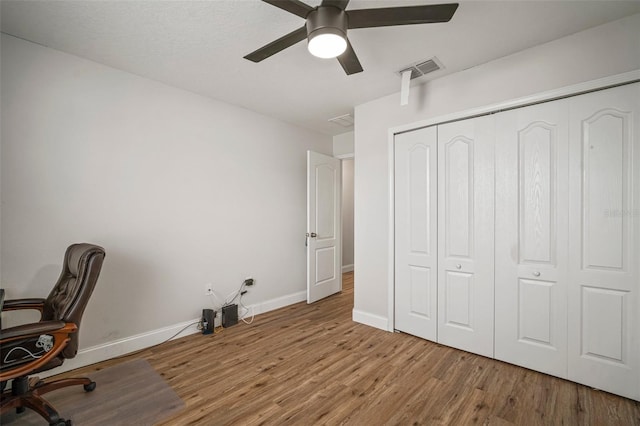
[326, 27]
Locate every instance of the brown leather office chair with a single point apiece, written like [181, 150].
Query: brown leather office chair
[31, 348]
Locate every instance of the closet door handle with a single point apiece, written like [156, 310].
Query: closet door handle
[536, 274]
[458, 266]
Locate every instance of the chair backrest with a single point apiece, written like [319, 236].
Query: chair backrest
[70, 295]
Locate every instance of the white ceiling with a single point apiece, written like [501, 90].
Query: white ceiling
[199, 46]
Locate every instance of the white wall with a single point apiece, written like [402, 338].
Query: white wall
[343, 145]
[180, 189]
[606, 50]
[347, 215]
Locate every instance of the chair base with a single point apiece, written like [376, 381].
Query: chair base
[25, 393]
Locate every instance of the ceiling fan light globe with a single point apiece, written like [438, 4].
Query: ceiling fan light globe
[326, 45]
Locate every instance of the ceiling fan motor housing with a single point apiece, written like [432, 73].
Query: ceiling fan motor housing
[325, 20]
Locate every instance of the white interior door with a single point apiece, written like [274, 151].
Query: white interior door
[416, 257]
[324, 256]
[531, 237]
[604, 241]
[465, 235]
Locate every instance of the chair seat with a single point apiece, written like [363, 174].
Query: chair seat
[33, 348]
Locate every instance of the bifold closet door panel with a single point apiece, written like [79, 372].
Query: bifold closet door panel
[416, 255]
[604, 240]
[466, 235]
[531, 237]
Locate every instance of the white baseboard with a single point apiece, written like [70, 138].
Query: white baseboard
[347, 268]
[278, 302]
[370, 319]
[115, 348]
[123, 346]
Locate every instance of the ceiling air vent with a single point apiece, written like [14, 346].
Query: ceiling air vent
[343, 120]
[423, 68]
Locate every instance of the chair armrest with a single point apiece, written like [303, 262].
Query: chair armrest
[17, 304]
[61, 332]
[33, 329]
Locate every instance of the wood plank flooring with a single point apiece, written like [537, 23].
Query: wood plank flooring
[311, 364]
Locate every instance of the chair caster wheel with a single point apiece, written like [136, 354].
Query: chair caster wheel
[61, 422]
[90, 387]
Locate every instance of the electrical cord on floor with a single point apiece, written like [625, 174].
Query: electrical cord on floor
[161, 343]
[247, 309]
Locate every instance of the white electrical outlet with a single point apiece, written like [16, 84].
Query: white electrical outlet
[208, 289]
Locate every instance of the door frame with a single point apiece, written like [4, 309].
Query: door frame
[341, 157]
[547, 96]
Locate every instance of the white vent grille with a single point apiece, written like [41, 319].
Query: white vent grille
[343, 120]
[422, 68]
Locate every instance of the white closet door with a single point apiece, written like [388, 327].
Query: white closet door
[604, 241]
[415, 233]
[531, 237]
[465, 235]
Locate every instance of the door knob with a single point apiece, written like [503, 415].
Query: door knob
[536, 274]
[458, 266]
[306, 240]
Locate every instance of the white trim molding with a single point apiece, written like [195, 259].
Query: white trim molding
[277, 303]
[347, 268]
[550, 95]
[124, 346]
[391, 277]
[345, 156]
[116, 348]
[371, 320]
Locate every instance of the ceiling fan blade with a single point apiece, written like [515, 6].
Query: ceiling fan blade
[349, 60]
[387, 16]
[276, 46]
[340, 4]
[292, 6]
